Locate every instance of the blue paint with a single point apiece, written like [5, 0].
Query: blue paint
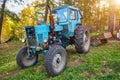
[66, 19]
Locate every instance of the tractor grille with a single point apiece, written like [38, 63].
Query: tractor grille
[65, 29]
[40, 37]
[30, 32]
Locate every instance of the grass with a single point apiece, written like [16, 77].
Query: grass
[96, 33]
[101, 63]
[8, 56]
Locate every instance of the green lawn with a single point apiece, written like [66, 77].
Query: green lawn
[101, 63]
[8, 56]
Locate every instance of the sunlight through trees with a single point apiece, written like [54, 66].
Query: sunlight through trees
[96, 15]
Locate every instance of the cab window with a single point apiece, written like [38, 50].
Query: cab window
[73, 14]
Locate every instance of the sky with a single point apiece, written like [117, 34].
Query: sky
[11, 6]
[17, 8]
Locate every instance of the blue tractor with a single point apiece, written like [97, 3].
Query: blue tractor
[57, 29]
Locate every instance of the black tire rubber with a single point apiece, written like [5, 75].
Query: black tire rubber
[20, 55]
[80, 45]
[95, 42]
[49, 60]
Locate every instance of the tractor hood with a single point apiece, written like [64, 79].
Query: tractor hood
[46, 28]
[42, 32]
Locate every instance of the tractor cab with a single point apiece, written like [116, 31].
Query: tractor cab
[68, 17]
[62, 15]
[66, 14]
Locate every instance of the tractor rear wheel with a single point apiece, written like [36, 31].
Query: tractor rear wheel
[55, 60]
[23, 60]
[82, 39]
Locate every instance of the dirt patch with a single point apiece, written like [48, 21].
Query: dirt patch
[4, 45]
[10, 45]
[9, 74]
[75, 62]
[105, 70]
[88, 74]
[39, 69]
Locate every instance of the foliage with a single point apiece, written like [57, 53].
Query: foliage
[95, 14]
[27, 18]
[4, 12]
[8, 56]
[6, 30]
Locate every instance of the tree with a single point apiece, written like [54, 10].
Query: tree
[3, 11]
[27, 18]
[111, 17]
[6, 29]
[2, 16]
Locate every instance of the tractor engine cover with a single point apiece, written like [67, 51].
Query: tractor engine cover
[30, 34]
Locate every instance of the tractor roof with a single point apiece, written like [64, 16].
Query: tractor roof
[61, 7]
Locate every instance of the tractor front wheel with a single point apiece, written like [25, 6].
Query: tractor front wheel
[55, 60]
[82, 39]
[23, 60]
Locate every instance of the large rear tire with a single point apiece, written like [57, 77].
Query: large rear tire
[24, 61]
[82, 39]
[55, 60]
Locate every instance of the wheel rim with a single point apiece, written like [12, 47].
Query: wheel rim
[28, 61]
[86, 40]
[58, 61]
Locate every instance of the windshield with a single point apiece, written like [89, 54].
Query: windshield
[61, 15]
[40, 17]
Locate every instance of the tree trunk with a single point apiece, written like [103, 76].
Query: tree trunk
[1, 18]
[111, 18]
[98, 26]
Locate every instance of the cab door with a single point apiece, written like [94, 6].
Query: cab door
[73, 20]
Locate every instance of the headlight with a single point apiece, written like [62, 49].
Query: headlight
[23, 40]
[45, 40]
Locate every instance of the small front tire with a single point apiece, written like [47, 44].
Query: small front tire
[24, 61]
[55, 60]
